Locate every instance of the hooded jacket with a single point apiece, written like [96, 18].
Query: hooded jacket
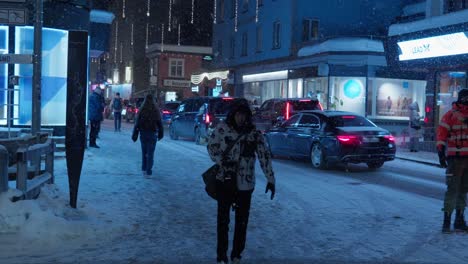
[243, 154]
[452, 132]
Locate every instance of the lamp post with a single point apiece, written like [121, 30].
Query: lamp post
[37, 70]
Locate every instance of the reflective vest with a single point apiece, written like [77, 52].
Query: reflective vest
[453, 131]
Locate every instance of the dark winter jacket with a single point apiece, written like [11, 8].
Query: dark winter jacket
[96, 107]
[240, 161]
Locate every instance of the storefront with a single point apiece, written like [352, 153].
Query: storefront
[215, 83]
[440, 50]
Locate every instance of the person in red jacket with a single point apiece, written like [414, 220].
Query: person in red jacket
[452, 148]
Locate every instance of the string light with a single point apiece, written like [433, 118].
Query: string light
[178, 36]
[170, 16]
[123, 9]
[131, 36]
[121, 51]
[214, 9]
[148, 11]
[162, 37]
[256, 12]
[193, 10]
[147, 34]
[236, 14]
[116, 37]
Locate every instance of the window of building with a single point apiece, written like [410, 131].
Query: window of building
[244, 44]
[276, 35]
[176, 67]
[455, 5]
[310, 29]
[233, 47]
[259, 39]
[221, 11]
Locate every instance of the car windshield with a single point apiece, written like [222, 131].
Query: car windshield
[349, 121]
[172, 106]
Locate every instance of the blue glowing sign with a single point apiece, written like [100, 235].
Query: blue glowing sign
[352, 89]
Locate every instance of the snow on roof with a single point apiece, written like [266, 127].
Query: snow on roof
[343, 44]
[432, 22]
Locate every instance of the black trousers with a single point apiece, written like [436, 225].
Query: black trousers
[227, 196]
[93, 131]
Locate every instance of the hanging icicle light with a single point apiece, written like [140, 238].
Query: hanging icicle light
[178, 36]
[123, 9]
[193, 10]
[215, 12]
[170, 16]
[121, 52]
[162, 37]
[148, 10]
[116, 43]
[236, 15]
[256, 12]
[131, 36]
[147, 34]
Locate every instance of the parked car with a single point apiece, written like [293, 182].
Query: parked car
[332, 137]
[168, 110]
[280, 109]
[131, 110]
[196, 117]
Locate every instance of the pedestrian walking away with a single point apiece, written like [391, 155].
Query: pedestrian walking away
[95, 115]
[148, 125]
[236, 181]
[452, 148]
[414, 126]
[117, 107]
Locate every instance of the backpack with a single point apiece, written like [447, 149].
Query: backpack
[117, 105]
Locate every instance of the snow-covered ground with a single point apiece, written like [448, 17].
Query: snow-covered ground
[316, 216]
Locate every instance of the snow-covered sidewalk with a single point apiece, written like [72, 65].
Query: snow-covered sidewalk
[316, 216]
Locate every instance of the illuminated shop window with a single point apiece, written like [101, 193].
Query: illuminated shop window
[3, 76]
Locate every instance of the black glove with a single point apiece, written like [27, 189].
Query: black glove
[270, 186]
[442, 157]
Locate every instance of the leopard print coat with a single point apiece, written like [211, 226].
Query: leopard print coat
[240, 161]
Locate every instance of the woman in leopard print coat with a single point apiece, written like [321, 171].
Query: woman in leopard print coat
[236, 181]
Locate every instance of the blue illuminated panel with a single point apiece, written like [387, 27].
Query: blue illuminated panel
[3, 76]
[54, 76]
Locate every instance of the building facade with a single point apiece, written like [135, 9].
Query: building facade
[436, 44]
[334, 50]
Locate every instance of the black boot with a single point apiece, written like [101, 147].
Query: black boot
[446, 225]
[460, 224]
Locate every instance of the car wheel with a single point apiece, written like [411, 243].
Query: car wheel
[198, 138]
[172, 133]
[317, 157]
[375, 164]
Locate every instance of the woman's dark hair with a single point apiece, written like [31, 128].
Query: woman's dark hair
[240, 107]
[148, 107]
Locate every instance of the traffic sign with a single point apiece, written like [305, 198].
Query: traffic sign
[15, 58]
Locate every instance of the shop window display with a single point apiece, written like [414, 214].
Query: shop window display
[450, 83]
[347, 94]
[393, 96]
[3, 76]
[259, 92]
[317, 87]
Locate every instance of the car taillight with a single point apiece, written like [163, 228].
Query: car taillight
[346, 138]
[207, 119]
[320, 106]
[286, 115]
[136, 110]
[390, 138]
[166, 112]
[228, 98]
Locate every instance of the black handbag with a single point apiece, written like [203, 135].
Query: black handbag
[209, 176]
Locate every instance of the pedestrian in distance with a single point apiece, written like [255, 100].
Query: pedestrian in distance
[452, 148]
[148, 125]
[414, 126]
[95, 115]
[236, 181]
[117, 106]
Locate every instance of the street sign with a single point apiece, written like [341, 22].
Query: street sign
[15, 58]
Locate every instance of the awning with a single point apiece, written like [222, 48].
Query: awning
[198, 78]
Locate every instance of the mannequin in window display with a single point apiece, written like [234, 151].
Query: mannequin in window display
[414, 126]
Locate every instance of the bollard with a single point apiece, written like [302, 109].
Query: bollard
[3, 169]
